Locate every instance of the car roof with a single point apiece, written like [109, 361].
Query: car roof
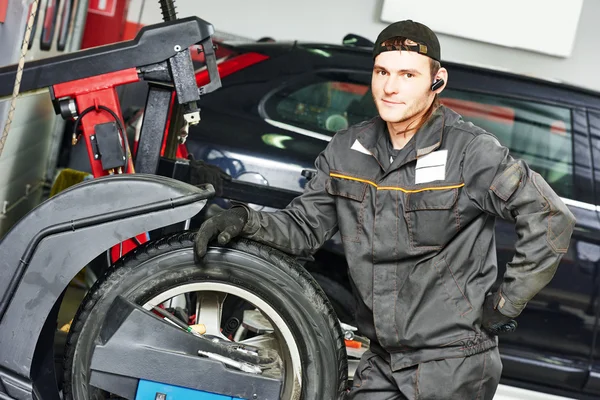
[570, 93]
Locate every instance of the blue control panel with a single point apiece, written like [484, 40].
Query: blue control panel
[148, 390]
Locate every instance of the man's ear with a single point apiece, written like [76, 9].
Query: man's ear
[441, 75]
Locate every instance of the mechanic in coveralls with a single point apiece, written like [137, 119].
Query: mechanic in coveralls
[414, 193]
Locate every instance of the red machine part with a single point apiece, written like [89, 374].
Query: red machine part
[105, 23]
[3, 8]
[93, 92]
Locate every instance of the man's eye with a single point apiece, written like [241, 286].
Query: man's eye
[382, 73]
[409, 75]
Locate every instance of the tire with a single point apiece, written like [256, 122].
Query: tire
[341, 299]
[265, 272]
[99, 264]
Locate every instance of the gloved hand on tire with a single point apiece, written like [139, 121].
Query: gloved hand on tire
[224, 226]
[493, 320]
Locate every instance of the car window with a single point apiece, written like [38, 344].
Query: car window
[539, 134]
[325, 106]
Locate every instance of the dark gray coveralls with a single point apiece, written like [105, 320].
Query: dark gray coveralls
[419, 240]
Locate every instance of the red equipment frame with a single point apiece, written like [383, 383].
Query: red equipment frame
[101, 91]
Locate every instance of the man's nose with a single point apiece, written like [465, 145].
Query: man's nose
[392, 85]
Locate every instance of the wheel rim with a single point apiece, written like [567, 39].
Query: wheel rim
[292, 383]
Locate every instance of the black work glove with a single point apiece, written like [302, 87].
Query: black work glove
[201, 172]
[493, 320]
[225, 226]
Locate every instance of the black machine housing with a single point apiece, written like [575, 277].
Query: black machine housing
[42, 253]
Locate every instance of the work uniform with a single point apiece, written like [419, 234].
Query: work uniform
[418, 235]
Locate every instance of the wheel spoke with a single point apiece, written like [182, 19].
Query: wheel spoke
[267, 328]
[209, 309]
[268, 341]
[256, 322]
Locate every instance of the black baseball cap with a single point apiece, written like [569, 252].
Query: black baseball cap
[427, 42]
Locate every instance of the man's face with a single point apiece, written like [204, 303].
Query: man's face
[401, 85]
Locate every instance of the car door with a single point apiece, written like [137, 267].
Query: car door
[553, 343]
[593, 254]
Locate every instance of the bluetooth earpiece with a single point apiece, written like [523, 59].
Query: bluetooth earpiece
[437, 84]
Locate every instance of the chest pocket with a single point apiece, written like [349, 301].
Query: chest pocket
[432, 217]
[350, 206]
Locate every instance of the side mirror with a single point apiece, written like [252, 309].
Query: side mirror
[309, 173]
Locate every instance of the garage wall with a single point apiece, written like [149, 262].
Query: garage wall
[29, 156]
[329, 21]
[21, 172]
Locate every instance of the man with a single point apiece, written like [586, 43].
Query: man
[414, 194]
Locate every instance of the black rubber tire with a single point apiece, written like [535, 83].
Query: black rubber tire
[273, 276]
[341, 298]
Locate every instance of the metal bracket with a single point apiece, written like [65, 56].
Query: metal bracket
[94, 143]
[29, 189]
[192, 118]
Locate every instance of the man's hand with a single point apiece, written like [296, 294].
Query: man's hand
[201, 172]
[225, 226]
[494, 321]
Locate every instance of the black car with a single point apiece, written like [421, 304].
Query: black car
[281, 103]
